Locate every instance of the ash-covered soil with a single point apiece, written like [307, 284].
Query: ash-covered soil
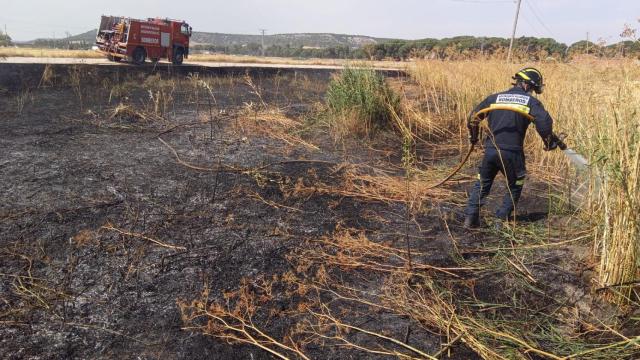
[103, 228]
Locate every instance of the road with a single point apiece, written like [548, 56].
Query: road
[100, 61]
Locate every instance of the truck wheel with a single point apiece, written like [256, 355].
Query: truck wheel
[138, 56]
[178, 56]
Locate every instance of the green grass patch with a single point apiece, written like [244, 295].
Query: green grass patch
[361, 102]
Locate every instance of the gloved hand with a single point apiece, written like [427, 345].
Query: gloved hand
[551, 145]
[554, 141]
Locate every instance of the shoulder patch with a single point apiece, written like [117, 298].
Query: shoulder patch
[513, 99]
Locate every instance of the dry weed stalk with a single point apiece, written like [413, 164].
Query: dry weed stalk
[76, 74]
[232, 320]
[161, 95]
[372, 184]
[27, 292]
[22, 99]
[110, 227]
[356, 252]
[255, 90]
[48, 75]
[273, 122]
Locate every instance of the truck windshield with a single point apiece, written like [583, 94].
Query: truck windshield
[185, 29]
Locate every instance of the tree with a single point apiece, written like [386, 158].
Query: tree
[5, 39]
[630, 39]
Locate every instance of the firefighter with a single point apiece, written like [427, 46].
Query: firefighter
[506, 128]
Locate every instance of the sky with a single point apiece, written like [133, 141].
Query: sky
[567, 21]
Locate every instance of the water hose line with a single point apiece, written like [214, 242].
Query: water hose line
[477, 119]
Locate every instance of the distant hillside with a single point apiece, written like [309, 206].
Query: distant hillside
[222, 40]
[89, 36]
[292, 40]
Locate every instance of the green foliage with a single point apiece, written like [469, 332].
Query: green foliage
[362, 96]
[5, 39]
[254, 49]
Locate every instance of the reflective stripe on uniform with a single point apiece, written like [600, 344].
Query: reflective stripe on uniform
[520, 182]
[516, 107]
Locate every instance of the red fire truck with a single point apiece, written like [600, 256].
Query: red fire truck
[136, 40]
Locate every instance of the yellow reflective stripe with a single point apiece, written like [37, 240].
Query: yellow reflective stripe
[515, 107]
[520, 182]
[524, 111]
[534, 70]
[523, 75]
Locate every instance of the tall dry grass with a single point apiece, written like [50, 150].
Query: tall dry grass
[597, 104]
[204, 58]
[49, 53]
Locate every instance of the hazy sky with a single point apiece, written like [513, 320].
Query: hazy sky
[565, 20]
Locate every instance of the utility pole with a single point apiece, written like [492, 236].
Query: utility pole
[513, 34]
[587, 43]
[263, 31]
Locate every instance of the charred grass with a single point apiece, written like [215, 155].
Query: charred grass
[151, 211]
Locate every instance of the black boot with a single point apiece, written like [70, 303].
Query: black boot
[472, 221]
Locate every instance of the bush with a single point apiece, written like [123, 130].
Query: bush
[361, 102]
[5, 40]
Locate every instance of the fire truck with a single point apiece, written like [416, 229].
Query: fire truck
[133, 40]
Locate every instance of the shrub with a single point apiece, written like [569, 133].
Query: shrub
[361, 102]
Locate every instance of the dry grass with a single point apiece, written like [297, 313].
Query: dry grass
[48, 53]
[387, 282]
[195, 58]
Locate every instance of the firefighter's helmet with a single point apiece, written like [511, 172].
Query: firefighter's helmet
[532, 77]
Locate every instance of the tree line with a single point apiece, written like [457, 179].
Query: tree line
[455, 48]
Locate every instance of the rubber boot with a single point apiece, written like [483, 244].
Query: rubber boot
[472, 221]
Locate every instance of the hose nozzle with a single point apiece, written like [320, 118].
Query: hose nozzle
[556, 141]
[560, 141]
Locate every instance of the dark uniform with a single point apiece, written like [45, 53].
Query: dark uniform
[504, 146]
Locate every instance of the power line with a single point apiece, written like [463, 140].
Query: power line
[538, 17]
[484, 2]
[531, 24]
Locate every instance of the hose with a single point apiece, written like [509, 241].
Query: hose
[477, 119]
[456, 170]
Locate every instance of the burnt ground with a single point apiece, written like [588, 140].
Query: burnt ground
[102, 229]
